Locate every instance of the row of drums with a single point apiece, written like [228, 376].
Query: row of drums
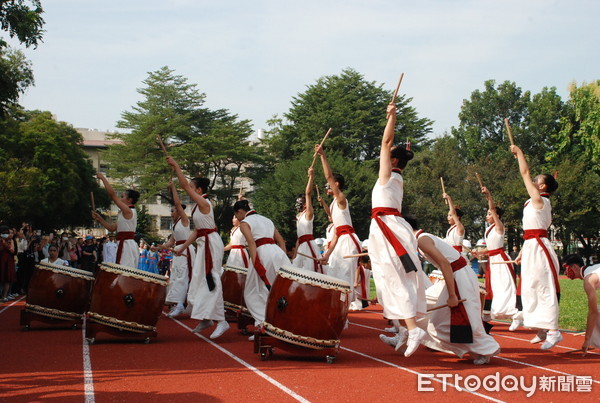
[304, 308]
[118, 300]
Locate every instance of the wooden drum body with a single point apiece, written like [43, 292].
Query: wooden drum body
[307, 309]
[126, 299]
[233, 280]
[57, 292]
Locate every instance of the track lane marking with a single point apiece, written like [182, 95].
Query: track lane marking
[557, 346]
[12, 303]
[88, 377]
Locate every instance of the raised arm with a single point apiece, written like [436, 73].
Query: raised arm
[326, 208]
[460, 228]
[590, 285]
[111, 227]
[245, 228]
[387, 142]
[310, 211]
[202, 203]
[492, 207]
[182, 216]
[532, 190]
[328, 173]
[127, 213]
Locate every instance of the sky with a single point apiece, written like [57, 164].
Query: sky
[253, 57]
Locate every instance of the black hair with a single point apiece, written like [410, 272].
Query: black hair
[499, 211]
[459, 212]
[201, 183]
[241, 205]
[183, 206]
[550, 182]
[3, 228]
[403, 155]
[53, 247]
[134, 195]
[339, 178]
[573, 259]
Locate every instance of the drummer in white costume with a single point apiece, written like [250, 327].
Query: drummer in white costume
[540, 290]
[392, 244]
[500, 277]
[344, 242]
[128, 252]
[267, 253]
[238, 255]
[456, 233]
[305, 243]
[181, 268]
[329, 231]
[205, 292]
[456, 329]
[590, 275]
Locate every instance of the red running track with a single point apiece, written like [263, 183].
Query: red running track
[49, 364]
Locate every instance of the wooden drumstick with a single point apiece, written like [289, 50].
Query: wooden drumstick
[479, 179]
[443, 306]
[397, 88]
[317, 187]
[443, 188]
[162, 145]
[505, 262]
[93, 203]
[320, 145]
[510, 136]
[356, 255]
[308, 256]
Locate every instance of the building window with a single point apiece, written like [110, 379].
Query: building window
[165, 222]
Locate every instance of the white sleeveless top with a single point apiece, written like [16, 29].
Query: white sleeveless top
[203, 221]
[390, 194]
[124, 225]
[594, 269]
[304, 226]
[537, 219]
[452, 237]
[237, 238]
[180, 232]
[340, 217]
[449, 253]
[260, 226]
[493, 240]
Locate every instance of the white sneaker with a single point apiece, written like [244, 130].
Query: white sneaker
[484, 359]
[390, 340]
[175, 311]
[251, 338]
[222, 327]
[414, 340]
[486, 317]
[552, 339]
[539, 337]
[204, 324]
[391, 329]
[346, 325]
[516, 323]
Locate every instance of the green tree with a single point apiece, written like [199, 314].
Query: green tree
[45, 176]
[355, 110]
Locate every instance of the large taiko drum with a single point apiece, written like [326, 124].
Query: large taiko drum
[59, 292]
[127, 299]
[306, 308]
[233, 281]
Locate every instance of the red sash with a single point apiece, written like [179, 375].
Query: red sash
[122, 236]
[460, 326]
[244, 253]
[188, 258]
[347, 229]
[260, 269]
[306, 239]
[376, 214]
[208, 262]
[538, 234]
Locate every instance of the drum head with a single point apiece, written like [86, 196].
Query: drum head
[69, 271]
[313, 278]
[136, 273]
[237, 269]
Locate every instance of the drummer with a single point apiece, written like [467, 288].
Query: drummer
[305, 243]
[267, 252]
[127, 251]
[53, 257]
[456, 233]
[181, 270]
[238, 255]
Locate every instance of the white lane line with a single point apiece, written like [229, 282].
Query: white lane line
[250, 367]
[11, 304]
[417, 373]
[558, 346]
[538, 367]
[88, 378]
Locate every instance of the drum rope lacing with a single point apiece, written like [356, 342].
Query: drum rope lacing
[235, 269]
[135, 273]
[304, 341]
[315, 281]
[120, 324]
[235, 307]
[69, 271]
[52, 313]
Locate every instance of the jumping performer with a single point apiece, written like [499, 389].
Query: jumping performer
[540, 291]
[392, 244]
[305, 243]
[205, 292]
[128, 252]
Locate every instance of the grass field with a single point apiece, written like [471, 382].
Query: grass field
[573, 304]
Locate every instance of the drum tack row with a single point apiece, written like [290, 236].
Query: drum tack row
[305, 314]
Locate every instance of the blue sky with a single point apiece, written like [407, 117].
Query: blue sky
[252, 57]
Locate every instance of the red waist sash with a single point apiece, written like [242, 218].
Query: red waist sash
[538, 234]
[348, 230]
[122, 236]
[306, 238]
[260, 269]
[458, 248]
[244, 253]
[376, 214]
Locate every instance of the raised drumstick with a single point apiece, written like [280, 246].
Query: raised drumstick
[93, 203]
[397, 88]
[510, 136]
[479, 179]
[443, 188]
[320, 145]
[162, 145]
